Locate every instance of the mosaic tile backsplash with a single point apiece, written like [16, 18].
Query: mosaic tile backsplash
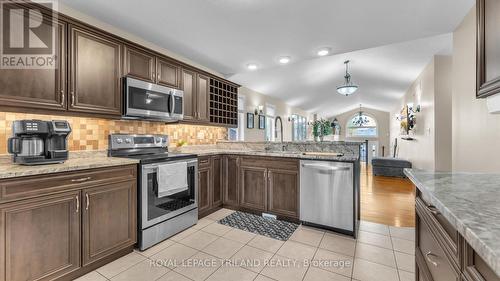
[92, 133]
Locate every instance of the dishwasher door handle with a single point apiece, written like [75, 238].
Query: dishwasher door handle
[326, 168]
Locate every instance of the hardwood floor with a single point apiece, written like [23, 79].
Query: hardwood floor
[387, 200]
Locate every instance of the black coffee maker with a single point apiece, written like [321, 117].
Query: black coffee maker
[37, 142]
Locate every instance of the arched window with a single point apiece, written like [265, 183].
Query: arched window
[361, 125]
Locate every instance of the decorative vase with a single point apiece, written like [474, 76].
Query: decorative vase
[321, 138]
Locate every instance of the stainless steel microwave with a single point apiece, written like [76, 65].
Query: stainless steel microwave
[144, 100]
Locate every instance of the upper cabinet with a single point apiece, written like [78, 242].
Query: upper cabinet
[139, 64]
[95, 72]
[223, 103]
[488, 46]
[168, 73]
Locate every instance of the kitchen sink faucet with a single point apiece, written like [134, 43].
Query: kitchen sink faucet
[281, 131]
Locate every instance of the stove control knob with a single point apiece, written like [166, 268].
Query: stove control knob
[128, 140]
[119, 141]
[158, 140]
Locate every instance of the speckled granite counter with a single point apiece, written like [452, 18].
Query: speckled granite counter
[76, 161]
[471, 202]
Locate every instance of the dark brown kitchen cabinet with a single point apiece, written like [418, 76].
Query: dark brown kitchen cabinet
[37, 89]
[283, 195]
[40, 237]
[217, 181]
[202, 98]
[167, 73]
[204, 186]
[223, 103]
[210, 184]
[488, 43]
[231, 173]
[108, 220]
[253, 188]
[94, 72]
[189, 88]
[139, 64]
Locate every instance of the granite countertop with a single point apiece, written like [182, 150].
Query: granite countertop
[471, 202]
[76, 161]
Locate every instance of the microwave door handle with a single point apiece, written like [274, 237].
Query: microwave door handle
[171, 103]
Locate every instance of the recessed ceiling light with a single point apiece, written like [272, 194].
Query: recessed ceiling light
[323, 52]
[252, 66]
[284, 60]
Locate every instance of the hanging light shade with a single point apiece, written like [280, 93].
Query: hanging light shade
[348, 88]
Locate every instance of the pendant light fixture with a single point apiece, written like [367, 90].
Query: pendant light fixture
[348, 88]
[361, 120]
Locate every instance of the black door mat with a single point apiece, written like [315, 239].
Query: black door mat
[277, 229]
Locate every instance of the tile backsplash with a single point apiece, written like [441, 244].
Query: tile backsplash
[92, 133]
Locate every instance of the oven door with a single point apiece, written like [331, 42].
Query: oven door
[154, 209]
[146, 100]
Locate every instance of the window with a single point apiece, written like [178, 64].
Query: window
[238, 134]
[299, 129]
[270, 114]
[361, 125]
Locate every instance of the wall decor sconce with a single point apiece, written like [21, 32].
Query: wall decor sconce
[412, 108]
[259, 110]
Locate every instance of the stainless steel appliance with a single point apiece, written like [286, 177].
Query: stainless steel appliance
[143, 100]
[37, 142]
[159, 216]
[327, 195]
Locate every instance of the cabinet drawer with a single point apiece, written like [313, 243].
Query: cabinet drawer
[433, 255]
[204, 161]
[30, 186]
[270, 162]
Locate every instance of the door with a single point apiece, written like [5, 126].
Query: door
[168, 73]
[189, 87]
[38, 88]
[203, 189]
[95, 66]
[231, 180]
[202, 98]
[139, 64]
[253, 188]
[283, 192]
[109, 219]
[216, 181]
[40, 238]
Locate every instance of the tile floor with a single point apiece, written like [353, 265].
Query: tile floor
[210, 251]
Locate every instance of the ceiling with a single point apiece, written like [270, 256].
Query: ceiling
[226, 35]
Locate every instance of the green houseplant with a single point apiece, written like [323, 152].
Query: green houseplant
[321, 128]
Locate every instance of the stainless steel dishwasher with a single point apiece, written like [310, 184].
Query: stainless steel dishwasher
[327, 195]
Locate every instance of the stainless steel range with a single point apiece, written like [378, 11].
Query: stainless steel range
[167, 186]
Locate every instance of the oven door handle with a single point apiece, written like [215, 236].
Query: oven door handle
[155, 165]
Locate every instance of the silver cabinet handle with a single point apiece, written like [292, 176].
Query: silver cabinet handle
[77, 203]
[87, 201]
[428, 256]
[81, 179]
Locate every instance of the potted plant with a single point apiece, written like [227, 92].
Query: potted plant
[321, 128]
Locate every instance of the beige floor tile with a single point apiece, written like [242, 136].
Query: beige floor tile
[156, 248]
[338, 244]
[266, 243]
[223, 248]
[316, 274]
[307, 236]
[174, 255]
[199, 266]
[374, 227]
[202, 223]
[369, 271]
[220, 214]
[145, 270]
[375, 239]
[115, 267]
[407, 233]
[229, 273]
[239, 235]
[199, 240]
[284, 269]
[405, 262]
[92, 276]
[375, 254]
[181, 235]
[217, 229]
[297, 251]
[173, 276]
[333, 262]
[251, 258]
[405, 246]
[263, 278]
[406, 276]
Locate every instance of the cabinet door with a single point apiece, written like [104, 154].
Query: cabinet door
[253, 188]
[231, 180]
[189, 88]
[40, 238]
[109, 219]
[168, 73]
[216, 181]
[94, 73]
[202, 98]
[283, 192]
[203, 189]
[139, 64]
[43, 89]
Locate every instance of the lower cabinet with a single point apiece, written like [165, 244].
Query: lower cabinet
[230, 173]
[204, 187]
[253, 188]
[210, 182]
[283, 192]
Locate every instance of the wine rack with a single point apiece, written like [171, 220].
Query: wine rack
[223, 103]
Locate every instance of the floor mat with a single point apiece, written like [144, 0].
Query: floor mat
[276, 229]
